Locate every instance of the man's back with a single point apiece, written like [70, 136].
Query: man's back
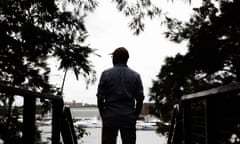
[121, 88]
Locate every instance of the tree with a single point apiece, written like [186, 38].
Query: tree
[30, 33]
[138, 10]
[212, 58]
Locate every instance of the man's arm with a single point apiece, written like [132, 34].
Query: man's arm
[139, 96]
[139, 107]
[101, 95]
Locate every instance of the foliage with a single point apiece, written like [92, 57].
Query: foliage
[137, 10]
[81, 132]
[10, 127]
[30, 33]
[212, 58]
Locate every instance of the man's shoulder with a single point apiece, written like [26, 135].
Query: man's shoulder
[133, 71]
[125, 68]
[108, 70]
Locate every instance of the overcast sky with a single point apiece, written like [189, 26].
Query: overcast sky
[108, 29]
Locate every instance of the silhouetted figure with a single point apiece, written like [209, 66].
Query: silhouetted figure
[120, 98]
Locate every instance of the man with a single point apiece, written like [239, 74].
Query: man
[120, 98]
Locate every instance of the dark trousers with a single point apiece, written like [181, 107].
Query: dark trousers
[109, 135]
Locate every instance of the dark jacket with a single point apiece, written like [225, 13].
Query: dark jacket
[120, 96]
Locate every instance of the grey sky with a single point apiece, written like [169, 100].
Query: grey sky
[108, 29]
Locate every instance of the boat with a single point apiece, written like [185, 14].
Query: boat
[89, 123]
[142, 125]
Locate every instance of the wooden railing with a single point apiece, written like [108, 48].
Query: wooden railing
[173, 135]
[62, 124]
[207, 117]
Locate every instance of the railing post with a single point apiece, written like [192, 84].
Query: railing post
[187, 122]
[68, 132]
[173, 134]
[210, 121]
[29, 129]
[57, 112]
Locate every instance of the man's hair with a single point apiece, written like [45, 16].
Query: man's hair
[120, 56]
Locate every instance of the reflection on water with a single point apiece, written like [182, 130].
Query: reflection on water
[89, 117]
[94, 137]
[143, 137]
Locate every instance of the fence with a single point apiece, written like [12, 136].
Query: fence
[207, 117]
[62, 124]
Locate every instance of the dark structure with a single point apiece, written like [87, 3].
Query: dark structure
[207, 117]
[61, 117]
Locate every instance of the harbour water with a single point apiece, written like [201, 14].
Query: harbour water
[143, 137]
[89, 119]
[94, 136]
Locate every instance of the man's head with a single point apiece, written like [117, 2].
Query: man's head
[120, 56]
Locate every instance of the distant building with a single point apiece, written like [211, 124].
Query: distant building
[86, 112]
[73, 104]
